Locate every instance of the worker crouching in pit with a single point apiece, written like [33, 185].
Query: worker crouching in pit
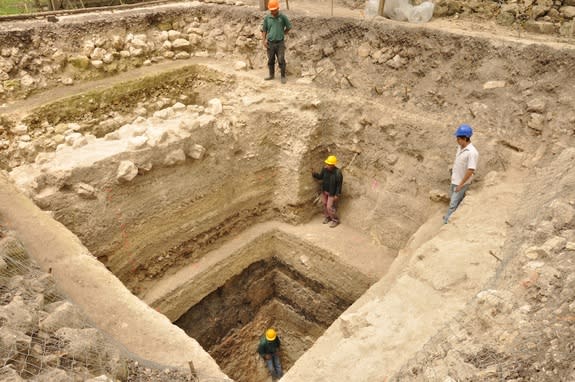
[332, 182]
[268, 349]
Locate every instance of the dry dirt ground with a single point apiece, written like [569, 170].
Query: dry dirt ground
[488, 297]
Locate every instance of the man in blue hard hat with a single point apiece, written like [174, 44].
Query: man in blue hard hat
[463, 169]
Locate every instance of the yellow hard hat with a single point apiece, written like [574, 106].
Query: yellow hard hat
[331, 160]
[270, 334]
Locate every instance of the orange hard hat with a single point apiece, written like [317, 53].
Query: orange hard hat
[273, 5]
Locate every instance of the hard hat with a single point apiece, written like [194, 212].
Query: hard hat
[270, 334]
[464, 131]
[273, 5]
[331, 160]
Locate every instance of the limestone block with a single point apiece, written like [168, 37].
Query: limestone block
[12, 341]
[194, 39]
[182, 56]
[536, 122]
[438, 196]
[117, 42]
[214, 106]
[178, 106]
[164, 113]
[167, 45]
[113, 136]
[156, 136]
[81, 343]
[554, 245]
[136, 52]
[16, 315]
[206, 120]
[127, 171]
[396, 62]
[175, 157]
[196, 151]
[364, 50]
[139, 43]
[252, 100]
[561, 213]
[80, 142]
[72, 138]
[174, 35]
[98, 64]
[163, 36]
[537, 105]
[65, 315]
[496, 301]
[240, 65]
[108, 58]
[540, 27]
[567, 11]
[6, 65]
[80, 61]
[98, 54]
[9, 374]
[181, 44]
[19, 129]
[85, 191]
[494, 85]
[42, 158]
[137, 143]
[328, 51]
[101, 378]
[189, 124]
[27, 81]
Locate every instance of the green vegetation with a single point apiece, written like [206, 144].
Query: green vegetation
[14, 7]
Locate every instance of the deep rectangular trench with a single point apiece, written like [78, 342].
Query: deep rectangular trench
[284, 290]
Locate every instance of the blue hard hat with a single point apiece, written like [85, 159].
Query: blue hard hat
[464, 131]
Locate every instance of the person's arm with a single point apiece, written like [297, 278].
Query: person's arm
[468, 174]
[317, 175]
[339, 183]
[264, 30]
[287, 23]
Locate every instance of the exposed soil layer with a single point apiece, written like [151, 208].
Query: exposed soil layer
[268, 293]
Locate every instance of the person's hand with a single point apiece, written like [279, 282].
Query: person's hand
[335, 198]
[458, 188]
[266, 42]
[267, 356]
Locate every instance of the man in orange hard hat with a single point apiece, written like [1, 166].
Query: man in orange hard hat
[269, 348]
[274, 28]
[332, 181]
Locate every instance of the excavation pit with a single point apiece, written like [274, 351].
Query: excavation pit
[288, 284]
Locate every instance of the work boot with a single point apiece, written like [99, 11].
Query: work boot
[326, 220]
[271, 76]
[284, 79]
[333, 224]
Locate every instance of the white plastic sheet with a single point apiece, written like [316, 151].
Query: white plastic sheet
[402, 10]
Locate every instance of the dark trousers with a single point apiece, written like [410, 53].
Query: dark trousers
[276, 49]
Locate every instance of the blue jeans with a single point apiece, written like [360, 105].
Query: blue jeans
[274, 366]
[456, 198]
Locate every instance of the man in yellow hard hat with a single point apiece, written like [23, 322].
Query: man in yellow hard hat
[274, 28]
[332, 182]
[268, 349]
